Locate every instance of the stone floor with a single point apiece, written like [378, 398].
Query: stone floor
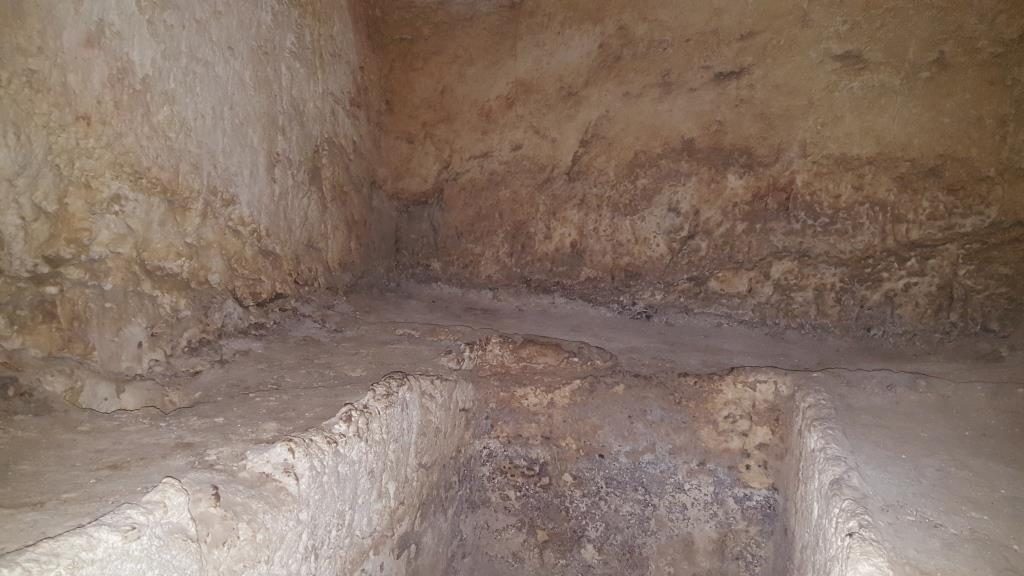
[935, 432]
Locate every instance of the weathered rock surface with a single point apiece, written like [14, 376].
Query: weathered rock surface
[526, 352]
[157, 160]
[369, 491]
[834, 164]
[607, 475]
[155, 536]
[833, 532]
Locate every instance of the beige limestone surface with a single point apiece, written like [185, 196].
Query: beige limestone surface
[162, 161]
[850, 165]
[296, 371]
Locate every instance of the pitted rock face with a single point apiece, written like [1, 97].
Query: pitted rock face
[527, 352]
[806, 165]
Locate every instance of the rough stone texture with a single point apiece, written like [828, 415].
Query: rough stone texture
[578, 467]
[833, 164]
[572, 444]
[519, 352]
[942, 463]
[156, 536]
[157, 159]
[832, 531]
[369, 491]
[742, 417]
[836, 165]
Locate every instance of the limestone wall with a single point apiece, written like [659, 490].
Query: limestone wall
[839, 165]
[160, 158]
[846, 165]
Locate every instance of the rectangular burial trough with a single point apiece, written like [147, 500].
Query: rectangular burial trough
[519, 473]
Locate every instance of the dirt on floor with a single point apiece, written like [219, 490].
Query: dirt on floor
[581, 467]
